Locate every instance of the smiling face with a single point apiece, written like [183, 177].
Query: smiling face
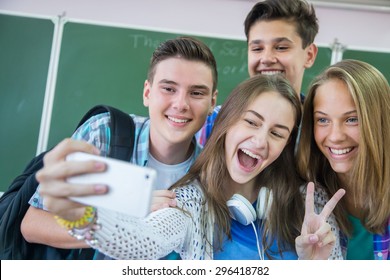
[336, 125]
[258, 138]
[275, 47]
[179, 100]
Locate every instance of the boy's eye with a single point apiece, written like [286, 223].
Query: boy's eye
[281, 48]
[197, 93]
[256, 49]
[169, 89]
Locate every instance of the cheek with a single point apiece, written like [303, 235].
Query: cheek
[231, 143]
[252, 61]
[277, 150]
[319, 135]
[355, 135]
[201, 107]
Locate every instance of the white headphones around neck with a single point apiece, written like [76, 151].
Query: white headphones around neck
[242, 210]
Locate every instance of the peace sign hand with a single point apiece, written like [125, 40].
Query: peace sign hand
[316, 240]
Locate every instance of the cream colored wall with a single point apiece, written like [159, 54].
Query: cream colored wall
[357, 29]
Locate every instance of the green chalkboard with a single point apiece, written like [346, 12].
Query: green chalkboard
[103, 64]
[380, 60]
[25, 45]
[322, 61]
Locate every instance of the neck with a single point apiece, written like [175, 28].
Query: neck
[298, 91]
[247, 190]
[171, 153]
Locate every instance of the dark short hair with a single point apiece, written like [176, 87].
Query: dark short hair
[298, 12]
[187, 48]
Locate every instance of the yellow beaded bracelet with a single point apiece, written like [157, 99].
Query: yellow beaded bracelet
[86, 219]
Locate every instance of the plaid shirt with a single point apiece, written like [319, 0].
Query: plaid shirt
[96, 131]
[381, 244]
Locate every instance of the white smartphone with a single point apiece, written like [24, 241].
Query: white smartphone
[130, 186]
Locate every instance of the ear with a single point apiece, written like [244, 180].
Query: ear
[311, 54]
[213, 101]
[146, 94]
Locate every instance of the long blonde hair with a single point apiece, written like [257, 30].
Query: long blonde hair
[371, 172]
[210, 169]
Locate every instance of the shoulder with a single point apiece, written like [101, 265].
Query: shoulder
[190, 194]
[96, 125]
[98, 120]
[139, 120]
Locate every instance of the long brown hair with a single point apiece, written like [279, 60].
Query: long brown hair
[370, 176]
[285, 218]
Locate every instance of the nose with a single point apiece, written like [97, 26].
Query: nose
[336, 133]
[268, 56]
[181, 103]
[260, 140]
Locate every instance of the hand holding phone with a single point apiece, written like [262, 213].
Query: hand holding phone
[130, 186]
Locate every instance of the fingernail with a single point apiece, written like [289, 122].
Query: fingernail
[313, 238]
[99, 166]
[100, 188]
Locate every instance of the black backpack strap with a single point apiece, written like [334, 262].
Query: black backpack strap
[122, 129]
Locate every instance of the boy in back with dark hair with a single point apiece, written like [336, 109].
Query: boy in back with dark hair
[280, 36]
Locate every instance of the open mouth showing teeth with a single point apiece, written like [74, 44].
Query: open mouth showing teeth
[340, 151]
[271, 72]
[247, 158]
[178, 120]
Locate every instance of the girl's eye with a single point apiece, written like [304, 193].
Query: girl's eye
[250, 122]
[277, 134]
[353, 120]
[322, 121]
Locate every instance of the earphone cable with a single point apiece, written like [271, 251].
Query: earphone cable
[260, 251]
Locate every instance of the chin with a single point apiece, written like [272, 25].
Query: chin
[341, 169]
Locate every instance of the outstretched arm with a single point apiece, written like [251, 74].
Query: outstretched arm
[39, 226]
[120, 235]
[316, 240]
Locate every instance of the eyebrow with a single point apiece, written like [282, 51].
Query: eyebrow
[199, 87]
[345, 114]
[262, 118]
[275, 40]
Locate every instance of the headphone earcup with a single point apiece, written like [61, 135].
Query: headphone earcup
[264, 201]
[241, 210]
